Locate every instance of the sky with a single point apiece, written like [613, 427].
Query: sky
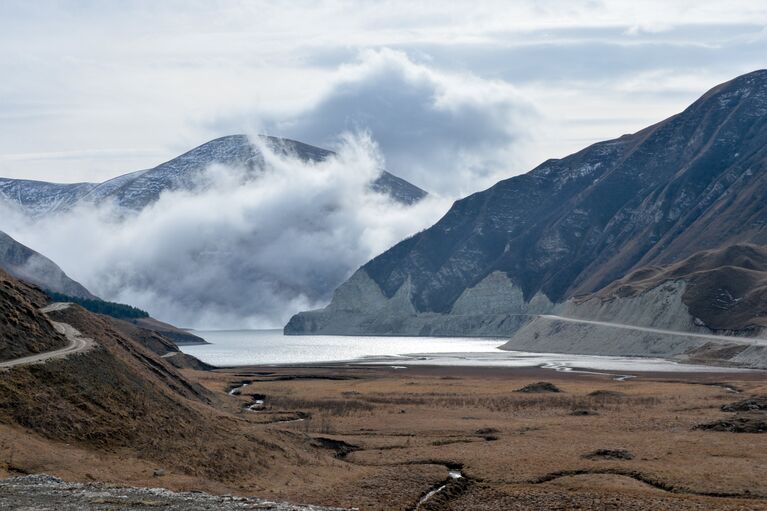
[452, 96]
[456, 95]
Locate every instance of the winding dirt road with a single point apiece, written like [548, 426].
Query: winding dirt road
[77, 343]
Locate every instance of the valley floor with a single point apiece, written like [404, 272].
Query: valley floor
[383, 438]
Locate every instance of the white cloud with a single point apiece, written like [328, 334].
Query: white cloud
[238, 252]
[449, 133]
[149, 76]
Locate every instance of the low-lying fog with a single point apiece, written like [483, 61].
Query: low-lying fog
[235, 252]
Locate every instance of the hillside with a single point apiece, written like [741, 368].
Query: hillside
[726, 289]
[23, 330]
[695, 181]
[138, 189]
[32, 267]
[24, 263]
[117, 397]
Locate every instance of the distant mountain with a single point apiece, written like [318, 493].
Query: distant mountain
[141, 188]
[695, 181]
[24, 263]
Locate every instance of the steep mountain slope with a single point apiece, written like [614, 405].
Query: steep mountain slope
[138, 189]
[692, 182]
[24, 263]
[725, 289]
[23, 330]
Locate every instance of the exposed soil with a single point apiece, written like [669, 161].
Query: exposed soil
[583, 413]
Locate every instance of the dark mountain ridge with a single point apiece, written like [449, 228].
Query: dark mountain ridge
[571, 226]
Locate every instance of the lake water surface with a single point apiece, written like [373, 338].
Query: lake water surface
[271, 347]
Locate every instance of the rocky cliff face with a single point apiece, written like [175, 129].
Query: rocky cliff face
[24, 263]
[693, 182]
[136, 190]
[493, 308]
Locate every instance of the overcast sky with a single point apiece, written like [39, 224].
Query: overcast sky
[456, 94]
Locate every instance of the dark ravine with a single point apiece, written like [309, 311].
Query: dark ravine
[572, 226]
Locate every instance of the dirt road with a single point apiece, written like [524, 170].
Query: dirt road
[77, 343]
[727, 338]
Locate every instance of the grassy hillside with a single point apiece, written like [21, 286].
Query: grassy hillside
[23, 329]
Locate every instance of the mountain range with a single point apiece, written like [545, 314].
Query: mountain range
[136, 190]
[552, 238]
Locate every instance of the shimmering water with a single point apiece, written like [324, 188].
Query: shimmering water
[270, 347]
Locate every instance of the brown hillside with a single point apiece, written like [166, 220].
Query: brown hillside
[119, 397]
[23, 329]
[726, 288]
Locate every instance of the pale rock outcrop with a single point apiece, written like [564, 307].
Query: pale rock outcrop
[661, 307]
[494, 307]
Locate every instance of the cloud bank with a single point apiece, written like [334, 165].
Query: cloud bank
[75, 103]
[448, 133]
[237, 252]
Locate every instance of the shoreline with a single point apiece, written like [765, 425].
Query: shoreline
[401, 364]
[493, 372]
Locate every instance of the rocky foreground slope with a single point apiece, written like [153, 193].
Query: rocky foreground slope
[571, 227]
[42, 493]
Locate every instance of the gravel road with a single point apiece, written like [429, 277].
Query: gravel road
[77, 343]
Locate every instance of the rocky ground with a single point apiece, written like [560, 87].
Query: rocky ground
[48, 493]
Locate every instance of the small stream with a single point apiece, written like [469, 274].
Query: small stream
[453, 475]
[236, 391]
[257, 405]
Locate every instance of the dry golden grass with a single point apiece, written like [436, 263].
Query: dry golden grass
[380, 439]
